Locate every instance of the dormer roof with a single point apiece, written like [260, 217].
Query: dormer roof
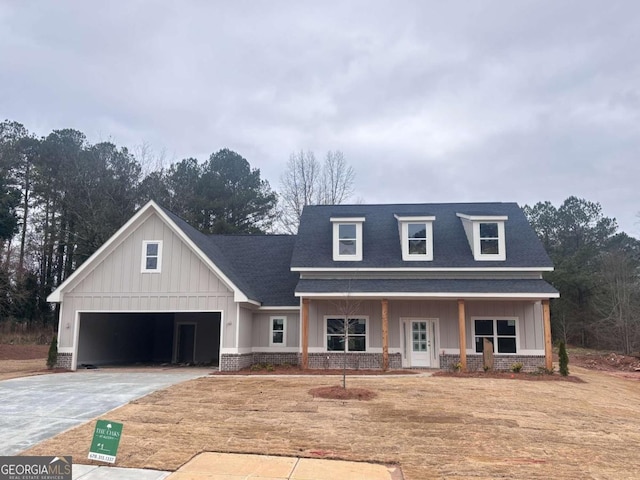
[382, 243]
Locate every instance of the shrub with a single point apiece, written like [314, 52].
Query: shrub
[516, 367]
[456, 367]
[52, 357]
[563, 359]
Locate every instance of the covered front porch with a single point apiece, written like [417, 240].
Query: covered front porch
[396, 331]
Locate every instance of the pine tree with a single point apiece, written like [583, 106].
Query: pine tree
[52, 358]
[563, 359]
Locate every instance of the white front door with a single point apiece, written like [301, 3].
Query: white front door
[420, 349]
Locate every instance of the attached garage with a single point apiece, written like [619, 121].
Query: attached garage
[120, 338]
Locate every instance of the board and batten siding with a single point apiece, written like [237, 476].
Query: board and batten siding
[117, 284]
[528, 314]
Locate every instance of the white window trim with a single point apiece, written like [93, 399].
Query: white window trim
[474, 241]
[337, 221]
[143, 266]
[404, 234]
[284, 331]
[478, 255]
[341, 317]
[495, 333]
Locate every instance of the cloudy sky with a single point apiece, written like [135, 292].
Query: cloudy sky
[430, 101]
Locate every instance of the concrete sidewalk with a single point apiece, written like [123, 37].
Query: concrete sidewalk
[232, 466]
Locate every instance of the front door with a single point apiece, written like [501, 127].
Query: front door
[420, 344]
[420, 349]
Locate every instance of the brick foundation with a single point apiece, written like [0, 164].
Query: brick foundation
[275, 358]
[355, 361]
[64, 360]
[500, 362]
[232, 362]
[328, 360]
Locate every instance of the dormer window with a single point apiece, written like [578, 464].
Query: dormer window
[416, 234]
[151, 256]
[347, 238]
[489, 238]
[485, 234]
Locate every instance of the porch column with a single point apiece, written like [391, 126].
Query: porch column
[385, 335]
[305, 333]
[546, 319]
[462, 335]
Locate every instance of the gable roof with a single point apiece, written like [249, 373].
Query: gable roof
[381, 248]
[240, 261]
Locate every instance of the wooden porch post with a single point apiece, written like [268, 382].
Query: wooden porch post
[546, 319]
[462, 335]
[305, 333]
[385, 335]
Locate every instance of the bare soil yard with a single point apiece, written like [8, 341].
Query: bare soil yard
[434, 427]
[22, 360]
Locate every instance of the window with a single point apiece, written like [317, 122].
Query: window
[489, 239]
[278, 331]
[347, 238]
[151, 256]
[417, 237]
[486, 236]
[356, 334]
[416, 233]
[500, 332]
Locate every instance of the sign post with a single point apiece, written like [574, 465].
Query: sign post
[106, 439]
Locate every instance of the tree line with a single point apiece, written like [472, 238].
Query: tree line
[62, 197]
[597, 271]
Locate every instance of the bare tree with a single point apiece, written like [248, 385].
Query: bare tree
[617, 302]
[347, 309]
[337, 179]
[306, 182]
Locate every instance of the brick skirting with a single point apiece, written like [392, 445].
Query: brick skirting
[328, 360]
[64, 360]
[355, 361]
[275, 358]
[500, 362]
[232, 362]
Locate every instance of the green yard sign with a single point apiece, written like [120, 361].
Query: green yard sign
[106, 439]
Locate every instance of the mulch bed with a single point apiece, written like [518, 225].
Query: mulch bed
[532, 377]
[339, 393]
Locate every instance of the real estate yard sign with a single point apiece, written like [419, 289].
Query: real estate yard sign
[106, 439]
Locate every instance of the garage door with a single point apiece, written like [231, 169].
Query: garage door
[148, 338]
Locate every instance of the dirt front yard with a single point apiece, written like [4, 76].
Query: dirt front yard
[22, 360]
[433, 427]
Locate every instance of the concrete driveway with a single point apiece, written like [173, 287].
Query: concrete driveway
[33, 409]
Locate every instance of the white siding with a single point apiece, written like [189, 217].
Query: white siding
[117, 284]
[529, 315]
[245, 323]
[262, 330]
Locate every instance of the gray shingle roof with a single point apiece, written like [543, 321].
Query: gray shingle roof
[435, 286]
[259, 265]
[263, 263]
[381, 240]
